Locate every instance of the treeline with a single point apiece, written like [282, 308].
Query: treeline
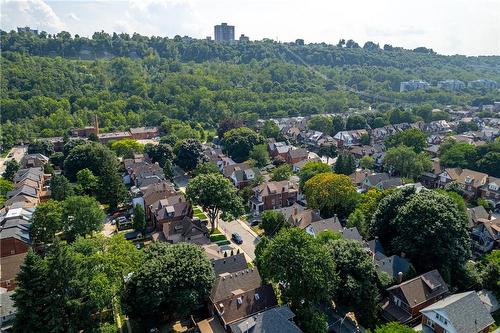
[45, 96]
[186, 49]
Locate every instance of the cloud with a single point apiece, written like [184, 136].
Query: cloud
[33, 13]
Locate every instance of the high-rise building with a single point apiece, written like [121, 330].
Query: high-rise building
[453, 85]
[224, 33]
[244, 38]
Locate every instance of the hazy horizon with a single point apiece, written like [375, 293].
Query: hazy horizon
[449, 26]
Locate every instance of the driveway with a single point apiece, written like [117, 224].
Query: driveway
[18, 153]
[250, 238]
[181, 179]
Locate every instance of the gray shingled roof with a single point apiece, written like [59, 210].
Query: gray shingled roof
[275, 320]
[465, 312]
[230, 264]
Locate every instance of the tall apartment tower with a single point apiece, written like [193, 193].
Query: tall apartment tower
[224, 33]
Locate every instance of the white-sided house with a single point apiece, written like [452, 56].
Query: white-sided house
[458, 313]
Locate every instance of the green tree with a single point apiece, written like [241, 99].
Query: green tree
[270, 130]
[357, 288]
[5, 187]
[406, 162]
[412, 137]
[205, 168]
[345, 164]
[306, 282]
[457, 155]
[86, 181]
[82, 215]
[228, 124]
[239, 142]
[216, 195]
[159, 153]
[168, 170]
[326, 236]
[11, 167]
[331, 193]
[30, 296]
[60, 187]
[382, 222]
[126, 147]
[321, 123]
[139, 221]
[46, 221]
[172, 280]
[282, 172]
[432, 231]
[357, 219]
[311, 169]
[491, 271]
[367, 162]
[312, 320]
[355, 121]
[189, 154]
[44, 147]
[489, 163]
[365, 139]
[272, 222]
[260, 155]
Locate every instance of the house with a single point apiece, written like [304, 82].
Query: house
[407, 299]
[348, 138]
[10, 267]
[486, 235]
[230, 264]
[296, 155]
[299, 165]
[156, 192]
[476, 214]
[186, 230]
[272, 195]
[290, 210]
[33, 161]
[458, 313]
[242, 178]
[431, 179]
[470, 180]
[358, 176]
[491, 191]
[331, 224]
[278, 149]
[170, 209]
[238, 295]
[380, 181]
[142, 133]
[276, 320]
[230, 168]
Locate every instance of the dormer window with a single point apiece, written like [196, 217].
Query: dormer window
[468, 179]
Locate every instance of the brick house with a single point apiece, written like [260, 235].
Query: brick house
[407, 299]
[272, 195]
[142, 133]
[459, 313]
[470, 180]
[296, 155]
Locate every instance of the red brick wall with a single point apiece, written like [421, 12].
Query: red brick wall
[12, 246]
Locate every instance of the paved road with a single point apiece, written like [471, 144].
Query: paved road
[18, 153]
[250, 239]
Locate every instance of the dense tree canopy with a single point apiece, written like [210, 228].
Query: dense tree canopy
[310, 169]
[403, 161]
[172, 280]
[331, 193]
[239, 142]
[412, 137]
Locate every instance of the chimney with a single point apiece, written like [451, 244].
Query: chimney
[96, 124]
[400, 277]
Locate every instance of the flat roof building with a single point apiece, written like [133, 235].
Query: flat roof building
[224, 32]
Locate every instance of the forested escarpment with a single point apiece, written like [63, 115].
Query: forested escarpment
[51, 83]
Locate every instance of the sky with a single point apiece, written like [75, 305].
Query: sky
[469, 27]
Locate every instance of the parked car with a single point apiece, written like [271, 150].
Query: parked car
[237, 238]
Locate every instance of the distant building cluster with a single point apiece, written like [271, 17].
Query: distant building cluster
[27, 29]
[450, 85]
[225, 33]
[413, 85]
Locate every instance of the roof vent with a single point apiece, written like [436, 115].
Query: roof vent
[257, 296]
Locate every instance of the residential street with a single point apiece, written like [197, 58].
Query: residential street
[250, 239]
[18, 153]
